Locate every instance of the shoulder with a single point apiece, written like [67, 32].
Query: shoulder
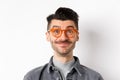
[92, 73]
[34, 73]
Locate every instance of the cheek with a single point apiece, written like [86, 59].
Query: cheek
[49, 37]
[74, 39]
[52, 39]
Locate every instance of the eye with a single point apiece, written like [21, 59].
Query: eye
[70, 31]
[56, 31]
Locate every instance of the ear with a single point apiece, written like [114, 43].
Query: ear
[77, 37]
[47, 36]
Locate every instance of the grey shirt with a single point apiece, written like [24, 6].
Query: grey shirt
[50, 72]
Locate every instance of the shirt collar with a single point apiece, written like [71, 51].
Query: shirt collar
[51, 66]
[77, 67]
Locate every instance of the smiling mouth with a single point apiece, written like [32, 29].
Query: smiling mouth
[64, 44]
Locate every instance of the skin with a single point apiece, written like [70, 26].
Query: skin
[62, 46]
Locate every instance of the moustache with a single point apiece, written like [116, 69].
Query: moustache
[66, 41]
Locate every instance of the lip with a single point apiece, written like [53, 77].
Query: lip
[65, 44]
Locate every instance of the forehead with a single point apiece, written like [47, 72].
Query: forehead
[62, 23]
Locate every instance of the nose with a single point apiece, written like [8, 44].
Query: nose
[63, 36]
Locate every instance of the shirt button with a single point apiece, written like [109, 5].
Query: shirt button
[57, 78]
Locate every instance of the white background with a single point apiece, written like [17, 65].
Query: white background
[23, 45]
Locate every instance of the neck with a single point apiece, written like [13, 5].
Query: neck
[63, 59]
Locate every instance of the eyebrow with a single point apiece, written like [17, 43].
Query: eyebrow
[70, 26]
[55, 26]
[60, 26]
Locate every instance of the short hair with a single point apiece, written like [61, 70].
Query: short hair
[63, 13]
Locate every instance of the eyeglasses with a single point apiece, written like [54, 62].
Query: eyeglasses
[57, 32]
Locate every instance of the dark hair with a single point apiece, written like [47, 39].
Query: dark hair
[63, 13]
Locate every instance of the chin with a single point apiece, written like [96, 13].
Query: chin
[64, 53]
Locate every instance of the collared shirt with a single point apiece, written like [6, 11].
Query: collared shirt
[64, 68]
[50, 72]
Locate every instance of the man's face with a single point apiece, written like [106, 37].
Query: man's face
[62, 45]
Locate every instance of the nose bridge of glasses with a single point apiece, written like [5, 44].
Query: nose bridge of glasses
[63, 33]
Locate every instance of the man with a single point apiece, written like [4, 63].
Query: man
[62, 33]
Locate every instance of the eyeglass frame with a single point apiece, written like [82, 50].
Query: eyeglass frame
[63, 30]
